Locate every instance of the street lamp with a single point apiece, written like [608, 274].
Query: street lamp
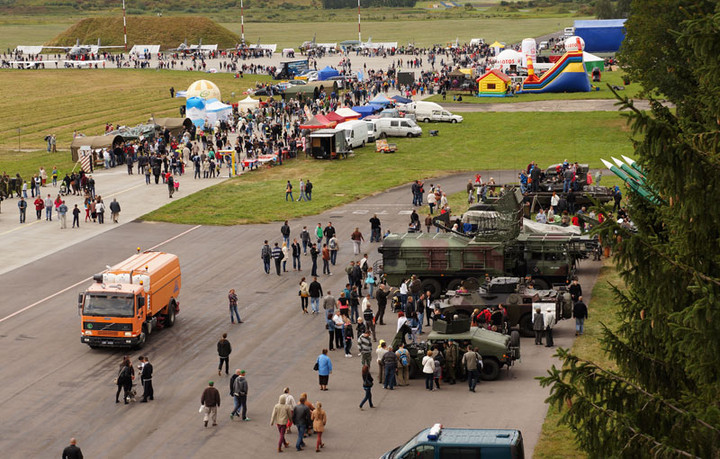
[18, 131]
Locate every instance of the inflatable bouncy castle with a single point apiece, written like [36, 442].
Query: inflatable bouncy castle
[567, 75]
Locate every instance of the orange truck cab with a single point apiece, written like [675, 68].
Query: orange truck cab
[131, 299]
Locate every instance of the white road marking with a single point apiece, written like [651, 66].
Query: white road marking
[87, 279]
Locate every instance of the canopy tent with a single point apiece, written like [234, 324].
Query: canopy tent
[270, 48]
[347, 113]
[248, 103]
[497, 44]
[401, 99]
[365, 110]
[334, 116]
[318, 122]
[217, 111]
[592, 61]
[174, 125]
[93, 142]
[147, 50]
[508, 58]
[326, 73]
[601, 35]
[381, 100]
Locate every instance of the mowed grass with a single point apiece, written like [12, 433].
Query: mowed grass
[422, 33]
[557, 440]
[612, 78]
[483, 141]
[12, 35]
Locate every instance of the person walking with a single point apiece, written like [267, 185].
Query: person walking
[233, 306]
[305, 239]
[324, 365]
[428, 364]
[210, 401]
[39, 206]
[288, 191]
[124, 381]
[146, 378]
[114, 210]
[357, 238]
[301, 419]
[281, 416]
[319, 419]
[72, 451]
[470, 360]
[304, 293]
[333, 245]
[240, 391]
[538, 326]
[315, 291]
[265, 255]
[381, 297]
[347, 332]
[76, 217]
[277, 256]
[285, 232]
[100, 210]
[326, 259]
[319, 233]
[580, 312]
[62, 213]
[224, 349]
[22, 207]
[328, 232]
[367, 382]
[295, 246]
[375, 229]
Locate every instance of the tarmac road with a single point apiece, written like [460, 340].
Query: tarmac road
[52, 387]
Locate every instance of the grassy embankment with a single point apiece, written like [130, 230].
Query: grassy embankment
[63, 101]
[483, 141]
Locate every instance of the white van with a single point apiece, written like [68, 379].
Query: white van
[356, 132]
[420, 106]
[569, 31]
[438, 115]
[372, 130]
[397, 127]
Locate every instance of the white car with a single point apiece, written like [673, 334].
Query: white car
[439, 115]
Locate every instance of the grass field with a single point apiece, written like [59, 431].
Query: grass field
[612, 78]
[483, 141]
[558, 440]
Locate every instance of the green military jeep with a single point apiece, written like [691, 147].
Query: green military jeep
[497, 350]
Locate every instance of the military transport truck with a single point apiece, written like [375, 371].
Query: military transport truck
[491, 242]
[552, 181]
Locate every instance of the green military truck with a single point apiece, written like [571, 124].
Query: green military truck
[490, 241]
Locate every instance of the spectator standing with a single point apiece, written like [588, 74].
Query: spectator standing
[305, 239]
[538, 326]
[39, 205]
[470, 361]
[224, 349]
[295, 246]
[390, 364]
[315, 291]
[304, 293]
[76, 216]
[549, 319]
[233, 306]
[114, 210]
[324, 369]
[22, 207]
[375, 229]
[333, 246]
[326, 259]
[146, 378]
[580, 312]
[365, 347]
[285, 256]
[210, 401]
[285, 231]
[357, 238]
[428, 370]
[308, 190]
[48, 208]
[277, 256]
[314, 256]
[265, 255]
[72, 451]
[62, 213]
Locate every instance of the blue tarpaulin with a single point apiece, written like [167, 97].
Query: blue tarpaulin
[327, 72]
[601, 35]
[381, 100]
[401, 99]
[365, 110]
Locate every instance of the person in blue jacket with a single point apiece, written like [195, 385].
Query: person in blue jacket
[324, 369]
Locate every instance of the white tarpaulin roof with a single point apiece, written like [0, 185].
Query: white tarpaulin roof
[145, 49]
[530, 226]
[587, 57]
[248, 103]
[347, 112]
[271, 48]
[29, 49]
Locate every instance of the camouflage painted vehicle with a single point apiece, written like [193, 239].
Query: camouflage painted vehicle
[552, 181]
[496, 349]
[490, 242]
[516, 296]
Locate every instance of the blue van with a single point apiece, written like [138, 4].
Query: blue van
[440, 443]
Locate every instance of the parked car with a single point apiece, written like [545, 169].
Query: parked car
[397, 127]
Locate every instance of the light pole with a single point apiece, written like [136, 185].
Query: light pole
[18, 131]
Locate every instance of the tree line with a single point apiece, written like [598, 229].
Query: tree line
[337, 4]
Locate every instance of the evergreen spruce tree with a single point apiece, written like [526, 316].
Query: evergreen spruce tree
[663, 399]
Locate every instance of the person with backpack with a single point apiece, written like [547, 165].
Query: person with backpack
[333, 246]
[277, 255]
[265, 254]
[403, 371]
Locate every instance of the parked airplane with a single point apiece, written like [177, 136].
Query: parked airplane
[82, 50]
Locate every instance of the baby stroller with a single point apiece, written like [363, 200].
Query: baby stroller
[64, 190]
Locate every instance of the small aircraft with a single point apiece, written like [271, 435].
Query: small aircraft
[82, 50]
[190, 49]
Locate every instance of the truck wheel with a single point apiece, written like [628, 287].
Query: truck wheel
[491, 370]
[525, 325]
[514, 338]
[140, 343]
[363, 144]
[170, 317]
[472, 283]
[541, 284]
[147, 328]
[432, 286]
[426, 120]
[454, 284]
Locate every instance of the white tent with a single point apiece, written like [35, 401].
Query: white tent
[507, 58]
[270, 48]
[348, 113]
[145, 50]
[587, 57]
[248, 103]
[217, 111]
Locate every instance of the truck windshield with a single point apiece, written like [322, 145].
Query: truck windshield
[109, 305]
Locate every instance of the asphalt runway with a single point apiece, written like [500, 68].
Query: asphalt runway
[53, 387]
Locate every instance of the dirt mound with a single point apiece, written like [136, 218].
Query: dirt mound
[168, 32]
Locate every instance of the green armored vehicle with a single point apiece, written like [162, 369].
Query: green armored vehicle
[489, 241]
[497, 350]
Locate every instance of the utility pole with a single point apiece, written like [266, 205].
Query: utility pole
[242, 23]
[124, 25]
[359, 35]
